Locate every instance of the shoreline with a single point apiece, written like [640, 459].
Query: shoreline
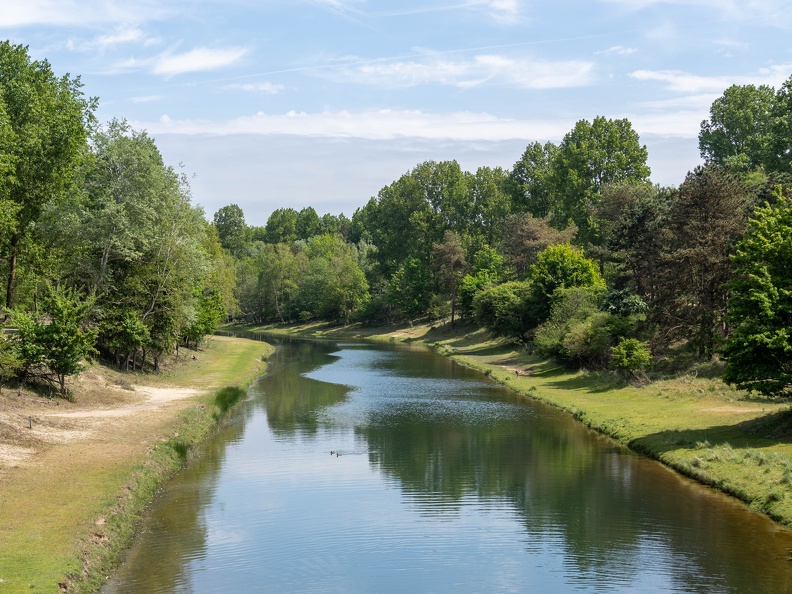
[74, 486]
[729, 440]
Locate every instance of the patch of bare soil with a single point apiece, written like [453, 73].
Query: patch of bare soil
[108, 408]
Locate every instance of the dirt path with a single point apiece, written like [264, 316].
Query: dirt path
[30, 426]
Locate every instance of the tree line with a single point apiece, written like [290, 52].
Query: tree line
[572, 251]
[101, 250]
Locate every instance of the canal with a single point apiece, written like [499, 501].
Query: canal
[389, 468]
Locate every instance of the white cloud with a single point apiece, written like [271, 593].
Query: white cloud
[504, 11]
[774, 12]
[267, 88]
[371, 124]
[618, 50]
[196, 60]
[526, 73]
[145, 99]
[122, 35]
[84, 13]
[685, 82]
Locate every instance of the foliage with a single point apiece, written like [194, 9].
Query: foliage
[44, 122]
[630, 356]
[523, 237]
[759, 350]
[501, 309]
[591, 156]
[559, 266]
[231, 229]
[704, 221]
[738, 134]
[55, 345]
[530, 180]
[448, 258]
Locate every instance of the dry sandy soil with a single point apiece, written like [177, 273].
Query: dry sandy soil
[32, 425]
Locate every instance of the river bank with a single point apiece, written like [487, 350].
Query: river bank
[75, 476]
[700, 427]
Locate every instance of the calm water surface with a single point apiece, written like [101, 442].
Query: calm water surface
[445, 482]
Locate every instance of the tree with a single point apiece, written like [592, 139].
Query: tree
[530, 183]
[501, 309]
[448, 258]
[759, 349]
[490, 202]
[281, 226]
[592, 155]
[738, 134]
[44, 122]
[523, 237]
[704, 221]
[231, 229]
[781, 145]
[308, 223]
[560, 266]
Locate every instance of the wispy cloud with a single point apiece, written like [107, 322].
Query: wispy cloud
[617, 50]
[123, 35]
[524, 72]
[775, 12]
[83, 13]
[145, 99]
[503, 11]
[685, 82]
[371, 124]
[267, 88]
[196, 60]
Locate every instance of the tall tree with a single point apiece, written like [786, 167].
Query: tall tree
[448, 258]
[705, 220]
[738, 134]
[231, 229]
[44, 123]
[281, 226]
[759, 350]
[530, 183]
[592, 155]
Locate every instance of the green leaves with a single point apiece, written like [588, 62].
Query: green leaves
[759, 350]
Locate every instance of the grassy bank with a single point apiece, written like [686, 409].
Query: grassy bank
[67, 516]
[725, 438]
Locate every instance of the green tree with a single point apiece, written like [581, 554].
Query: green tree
[448, 258]
[592, 155]
[781, 145]
[560, 266]
[759, 349]
[530, 180]
[501, 309]
[281, 226]
[490, 202]
[739, 132]
[630, 357]
[308, 223]
[231, 229]
[67, 339]
[523, 237]
[706, 218]
[44, 123]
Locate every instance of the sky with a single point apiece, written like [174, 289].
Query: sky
[292, 103]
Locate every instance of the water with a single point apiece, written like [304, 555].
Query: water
[445, 482]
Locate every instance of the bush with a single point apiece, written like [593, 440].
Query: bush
[630, 356]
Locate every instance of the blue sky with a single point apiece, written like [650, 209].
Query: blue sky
[275, 103]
